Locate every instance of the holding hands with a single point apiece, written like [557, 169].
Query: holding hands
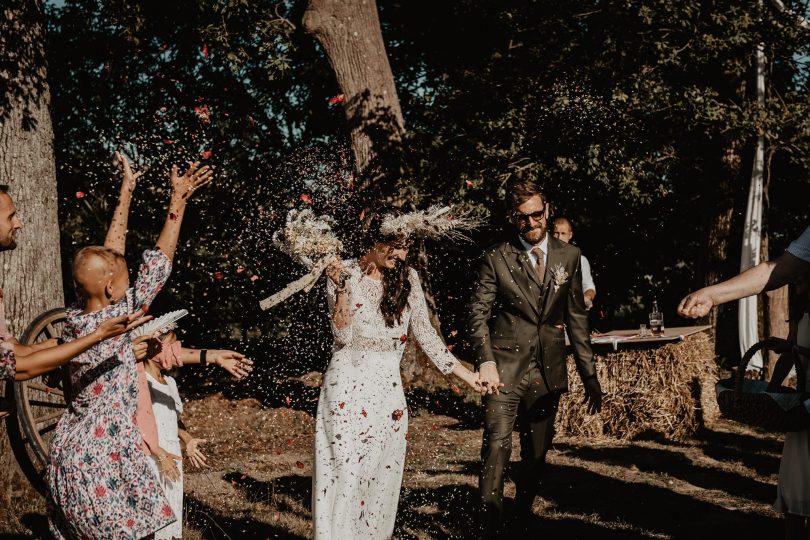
[490, 380]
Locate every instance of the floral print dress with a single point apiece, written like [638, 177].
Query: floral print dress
[100, 483]
[8, 362]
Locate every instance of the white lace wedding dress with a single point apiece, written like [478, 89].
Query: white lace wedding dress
[362, 419]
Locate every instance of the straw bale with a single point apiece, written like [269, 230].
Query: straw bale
[665, 391]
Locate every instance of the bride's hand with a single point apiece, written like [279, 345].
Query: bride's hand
[473, 381]
[336, 273]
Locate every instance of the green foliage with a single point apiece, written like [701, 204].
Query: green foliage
[632, 114]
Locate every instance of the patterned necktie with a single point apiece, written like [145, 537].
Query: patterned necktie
[540, 267]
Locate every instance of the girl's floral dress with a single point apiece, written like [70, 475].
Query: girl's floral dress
[100, 483]
[8, 362]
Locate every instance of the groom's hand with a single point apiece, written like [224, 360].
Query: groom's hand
[593, 395]
[490, 380]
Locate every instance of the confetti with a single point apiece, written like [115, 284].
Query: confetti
[205, 50]
[306, 199]
[340, 98]
[206, 154]
[396, 415]
[217, 275]
[299, 464]
[80, 195]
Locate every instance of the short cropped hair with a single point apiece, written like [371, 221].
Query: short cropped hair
[109, 255]
[519, 192]
[560, 220]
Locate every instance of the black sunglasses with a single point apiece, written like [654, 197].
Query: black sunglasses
[537, 216]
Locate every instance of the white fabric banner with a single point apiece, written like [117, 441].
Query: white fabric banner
[752, 234]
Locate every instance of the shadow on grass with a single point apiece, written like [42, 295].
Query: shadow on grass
[674, 464]
[212, 524]
[586, 504]
[277, 492]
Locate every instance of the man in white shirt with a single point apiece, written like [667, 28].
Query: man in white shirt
[563, 230]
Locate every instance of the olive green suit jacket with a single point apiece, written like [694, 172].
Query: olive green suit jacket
[514, 318]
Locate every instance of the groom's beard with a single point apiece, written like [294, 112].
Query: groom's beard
[533, 235]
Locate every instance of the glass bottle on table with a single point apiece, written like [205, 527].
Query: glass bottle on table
[656, 320]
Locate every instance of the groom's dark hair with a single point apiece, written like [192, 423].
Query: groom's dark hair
[520, 191]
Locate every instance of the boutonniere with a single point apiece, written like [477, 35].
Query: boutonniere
[559, 276]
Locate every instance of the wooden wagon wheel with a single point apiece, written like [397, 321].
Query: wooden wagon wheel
[40, 403]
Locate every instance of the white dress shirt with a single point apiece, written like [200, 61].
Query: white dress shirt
[529, 247]
[587, 278]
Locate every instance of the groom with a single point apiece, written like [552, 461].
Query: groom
[529, 289]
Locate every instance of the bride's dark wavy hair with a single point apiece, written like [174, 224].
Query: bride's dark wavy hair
[396, 282]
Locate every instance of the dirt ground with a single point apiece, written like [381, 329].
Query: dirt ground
[718, 485]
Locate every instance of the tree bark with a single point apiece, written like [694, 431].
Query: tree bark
[31, 275]
[716, 265]
[350, 34]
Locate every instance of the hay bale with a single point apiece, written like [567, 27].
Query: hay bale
[659, 391]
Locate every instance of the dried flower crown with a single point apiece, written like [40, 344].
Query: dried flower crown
[435, 222]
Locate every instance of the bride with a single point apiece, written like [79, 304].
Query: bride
[362, 419]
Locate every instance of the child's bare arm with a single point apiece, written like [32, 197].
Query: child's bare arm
[197, 458]
[117, 233]
[183, 186]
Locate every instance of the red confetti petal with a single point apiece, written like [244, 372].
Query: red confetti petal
[288, 401]
[453, 333]
[145, 308]
[217, 275]
[205, 50]
[362, 215]
[341, 404]
[396, 415]
[240, 269]
[358, 306]
[470, 184]
[450, 347]
[206, 154]
[455, 389]
[306, 198]
[172, 216]
[80, 194]
[254, 277]
[364, 413]
[340, 98]
[299, 464]
[403, 338]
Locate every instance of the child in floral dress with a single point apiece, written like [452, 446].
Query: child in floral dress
[100, 484]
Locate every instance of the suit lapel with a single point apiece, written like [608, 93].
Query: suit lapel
[553, 258]
[524, 275]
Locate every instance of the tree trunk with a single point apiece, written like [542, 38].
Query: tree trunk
[718, 254]
[31, 275]
[349, 32]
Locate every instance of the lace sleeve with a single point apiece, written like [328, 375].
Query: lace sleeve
[343, 336]
[423, 331]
